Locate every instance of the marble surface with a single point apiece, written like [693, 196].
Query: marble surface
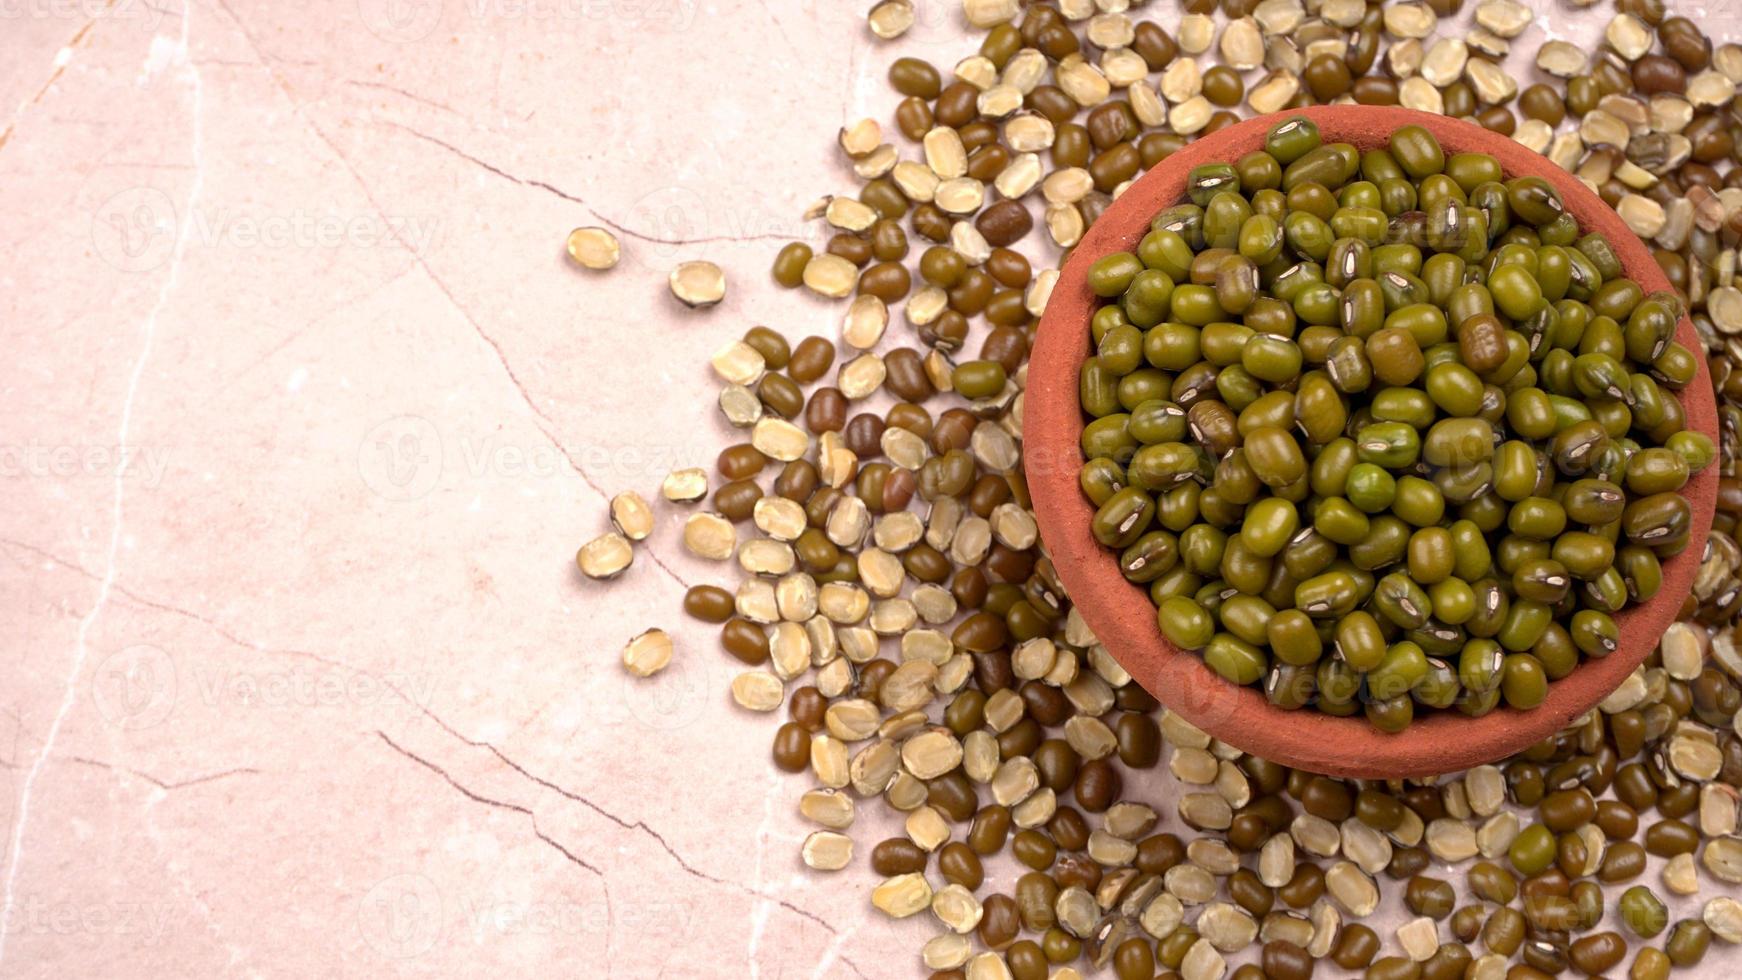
[303, 415]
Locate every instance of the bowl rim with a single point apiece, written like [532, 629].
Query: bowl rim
[1120, 614]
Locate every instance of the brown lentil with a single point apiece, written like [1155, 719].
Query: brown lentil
[708, 603]
[745, 640]
[1561, 777]
[898, 856]
[1000, 922]
[913, 77]
[850, 247]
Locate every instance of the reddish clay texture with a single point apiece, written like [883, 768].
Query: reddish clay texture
[1121, 614]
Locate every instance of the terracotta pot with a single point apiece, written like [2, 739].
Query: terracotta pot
[1120, 613]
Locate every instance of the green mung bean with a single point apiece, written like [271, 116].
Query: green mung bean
[1403, 381]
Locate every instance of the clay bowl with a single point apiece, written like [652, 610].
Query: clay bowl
[1120, 613]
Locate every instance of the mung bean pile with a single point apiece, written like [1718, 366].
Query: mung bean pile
[900, 612]
[1392, 404]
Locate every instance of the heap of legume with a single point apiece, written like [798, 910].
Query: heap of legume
[947, 676]
[1388, 404]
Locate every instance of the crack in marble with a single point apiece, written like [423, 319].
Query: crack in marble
[488, 801]
[571, 856]
[544, 427]
[297, 333]
[781, 29]
[206, 621]
[110, 583]
[638, 825]
[81, 651]
[405, 93]
[165, 785]
[219, 629]
[60, 67]
[644, 828]
[833, 953]
[614, 225]
[545, 424]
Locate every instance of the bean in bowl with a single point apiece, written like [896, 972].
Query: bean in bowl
[1384, 432]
